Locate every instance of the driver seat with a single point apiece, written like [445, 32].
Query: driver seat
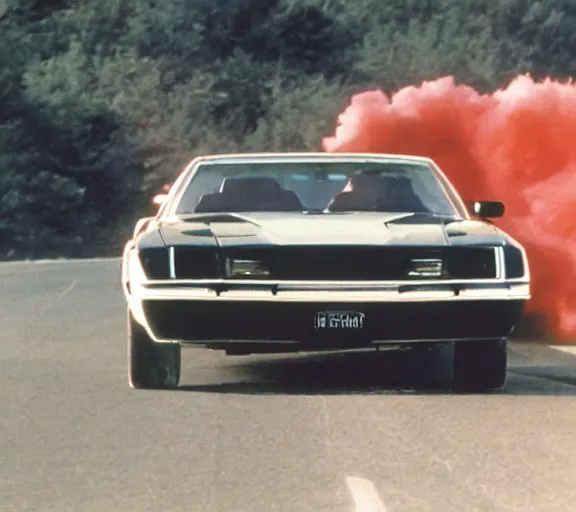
[403, 199]
[366, 191]
[250, 194]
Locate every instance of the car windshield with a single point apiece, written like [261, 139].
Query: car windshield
[326, 187]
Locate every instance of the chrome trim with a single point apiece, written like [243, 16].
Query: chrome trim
[172, 263]
[305, 156]
[325, 285]
[369, 346]
[518, 291]
[427, 340]
[404, 286]
[500, 263]
[235, 341]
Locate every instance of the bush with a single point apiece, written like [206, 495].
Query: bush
[102, 101]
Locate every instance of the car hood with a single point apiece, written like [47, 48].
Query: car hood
[326, 229]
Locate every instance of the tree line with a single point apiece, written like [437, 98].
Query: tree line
[102, 101]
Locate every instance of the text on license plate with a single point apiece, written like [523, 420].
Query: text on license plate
[339, 320]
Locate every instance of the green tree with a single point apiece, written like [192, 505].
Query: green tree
[101, 101]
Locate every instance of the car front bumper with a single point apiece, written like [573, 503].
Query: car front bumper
[392, 313]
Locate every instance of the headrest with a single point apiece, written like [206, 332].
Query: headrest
[250, 185]
[363, 180]
[402, 185]
[374, 180]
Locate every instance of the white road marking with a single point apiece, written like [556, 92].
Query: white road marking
[365, 495]
[74, 260]
[60, 296]
[565, 348]
[60, 260]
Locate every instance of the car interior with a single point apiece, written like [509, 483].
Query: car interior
[374, 192]
[250, 194]
[366, 191]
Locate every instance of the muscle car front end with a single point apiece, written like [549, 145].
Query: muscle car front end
[310, 279]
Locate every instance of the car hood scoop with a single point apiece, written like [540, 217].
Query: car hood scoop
[332, 229]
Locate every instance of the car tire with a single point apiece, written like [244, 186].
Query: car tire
[434, 364]
[151, 365]
[480, 365]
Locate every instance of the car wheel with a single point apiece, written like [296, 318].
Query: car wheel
[434, 364]
[151, 365]
[480, 365]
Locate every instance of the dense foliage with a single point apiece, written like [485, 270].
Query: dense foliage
[103, 100]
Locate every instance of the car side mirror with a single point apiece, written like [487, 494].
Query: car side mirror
[159, 199]
[488, 209]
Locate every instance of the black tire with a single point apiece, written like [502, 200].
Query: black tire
[151, 365]
[480, 365]
[434, 364]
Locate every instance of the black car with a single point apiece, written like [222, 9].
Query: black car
[290, 252]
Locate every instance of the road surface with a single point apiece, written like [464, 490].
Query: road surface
[345, 433]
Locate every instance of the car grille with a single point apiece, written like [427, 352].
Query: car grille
[337, 263]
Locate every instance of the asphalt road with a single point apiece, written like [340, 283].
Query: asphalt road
[291, 433]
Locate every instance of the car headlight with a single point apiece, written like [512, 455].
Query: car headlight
[248, 269]
[426, 267]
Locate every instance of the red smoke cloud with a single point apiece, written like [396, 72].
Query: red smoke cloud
[517, 145]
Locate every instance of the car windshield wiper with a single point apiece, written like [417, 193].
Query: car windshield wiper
[445, 217]
[203, 216]
[200, 215]
[314, 211]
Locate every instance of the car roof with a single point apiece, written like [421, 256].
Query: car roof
[311, 156]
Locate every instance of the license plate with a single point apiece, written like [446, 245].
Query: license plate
[339, 320]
